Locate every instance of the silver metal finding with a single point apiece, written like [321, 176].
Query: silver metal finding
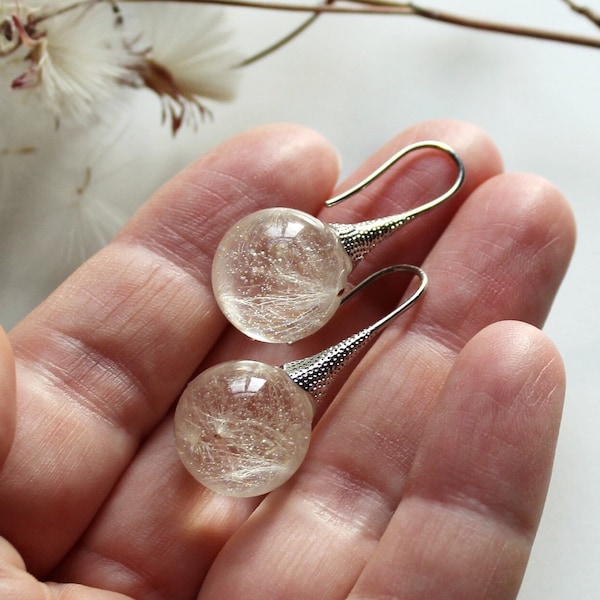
[359, 239]
[316, 373]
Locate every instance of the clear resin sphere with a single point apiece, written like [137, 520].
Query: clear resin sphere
[242, 428]
[279, 274]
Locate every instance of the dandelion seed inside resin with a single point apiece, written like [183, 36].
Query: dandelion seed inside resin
[278, 274]
[242, 428]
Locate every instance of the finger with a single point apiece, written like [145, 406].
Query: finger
[474, 495]
[16, 583]
[175, 528]
[186, 536]
[102, 360]
[7, 397]
[503, 256]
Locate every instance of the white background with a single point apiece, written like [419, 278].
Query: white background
[359, 80]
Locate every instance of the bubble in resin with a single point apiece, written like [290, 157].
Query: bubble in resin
[242, 428]
[279, 274]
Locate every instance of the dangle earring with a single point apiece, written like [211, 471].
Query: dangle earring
[242, 428]
[279, 274]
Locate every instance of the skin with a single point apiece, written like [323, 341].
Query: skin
[430, 460]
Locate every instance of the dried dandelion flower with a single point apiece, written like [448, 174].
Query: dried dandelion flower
[80, 65]
[184, 57]
[71, 59]
[76, 56]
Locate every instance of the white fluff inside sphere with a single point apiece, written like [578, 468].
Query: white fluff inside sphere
[242, 428]
[279, 274]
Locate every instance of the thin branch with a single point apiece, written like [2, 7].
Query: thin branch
[44, 16]
[285, 40]
[588, 13]
[396, 8]
[280, 43]
[375, 7]
[517, 30]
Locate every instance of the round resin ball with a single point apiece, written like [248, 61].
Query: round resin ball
[279, 274]
[242, 428]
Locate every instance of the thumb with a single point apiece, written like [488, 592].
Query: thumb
[7, 396]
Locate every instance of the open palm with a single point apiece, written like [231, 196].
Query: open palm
[427, 473]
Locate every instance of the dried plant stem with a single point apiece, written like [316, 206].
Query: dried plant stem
[375, 7]
[282, 42]
[507, 28]
[588, 13]
[285, 40]
[45, 15]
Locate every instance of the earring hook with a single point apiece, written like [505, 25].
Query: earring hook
[316, 373]
[424, 282]
[358, 239]
[445, 148]
[279, 274]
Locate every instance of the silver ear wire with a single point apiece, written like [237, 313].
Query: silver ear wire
[393, 160]
[316, 373]
[279, 274]
[360, 238]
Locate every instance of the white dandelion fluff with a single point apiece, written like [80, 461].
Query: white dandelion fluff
[185, 56]
[72, 60]
[74, 125]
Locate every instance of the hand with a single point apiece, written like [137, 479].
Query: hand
[425, 477]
